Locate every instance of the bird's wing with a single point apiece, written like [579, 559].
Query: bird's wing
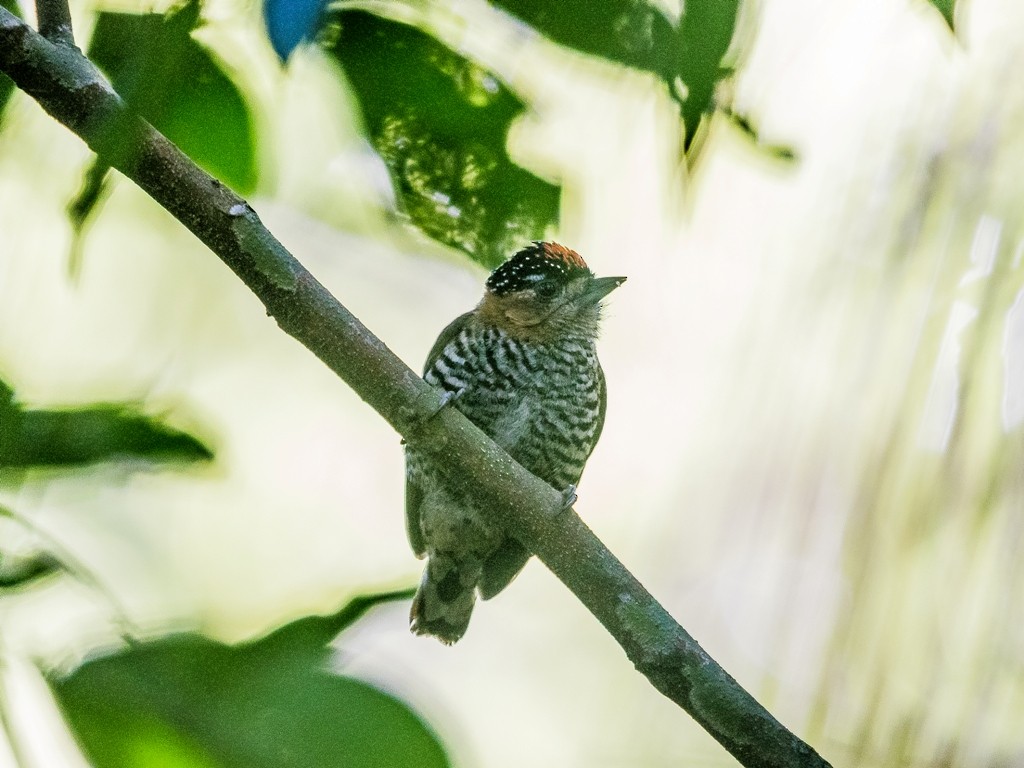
[413, 493]
[450, 332]
[602, 394]
[413, 499]
[501, 566]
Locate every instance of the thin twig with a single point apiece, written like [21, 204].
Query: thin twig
[77, 570]
[70, 89]
[55, 21]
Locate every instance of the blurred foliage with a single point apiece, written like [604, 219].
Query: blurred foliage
[704, 35]
[289, 22]
[95, 186]
[20, 570]
[687, 55]
[186, 700]
[948, 10]
[171, 80]
[783, 152]
[440, 123]
[87, 435]
[629, 32]
[6, 84]
[174, 82]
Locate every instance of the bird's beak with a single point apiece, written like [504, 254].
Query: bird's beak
[600, 287]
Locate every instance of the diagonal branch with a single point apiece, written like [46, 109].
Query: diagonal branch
[55, 21]
[67, 86]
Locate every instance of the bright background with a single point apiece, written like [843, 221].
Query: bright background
[813, 447]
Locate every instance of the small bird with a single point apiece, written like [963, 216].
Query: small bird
[522, 366]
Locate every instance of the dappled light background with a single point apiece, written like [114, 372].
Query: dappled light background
[813, 449]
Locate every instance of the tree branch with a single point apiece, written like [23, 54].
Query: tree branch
[55, 21]
[68, 87]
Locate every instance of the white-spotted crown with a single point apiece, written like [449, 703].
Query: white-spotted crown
[536, 263]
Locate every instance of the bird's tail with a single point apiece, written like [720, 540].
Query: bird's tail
[444, 601]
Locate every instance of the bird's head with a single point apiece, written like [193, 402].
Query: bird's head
[545, 292]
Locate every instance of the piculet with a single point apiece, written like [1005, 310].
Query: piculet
[523, 367]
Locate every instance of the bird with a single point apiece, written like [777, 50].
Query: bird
[522, 365]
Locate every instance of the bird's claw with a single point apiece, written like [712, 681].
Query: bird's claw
[447, 398]
[569, 497]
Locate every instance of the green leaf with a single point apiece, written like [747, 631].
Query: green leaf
[629, 32]
[636, 34]
[88, 201]
[87, 435]
[948, 10]
[704, 36]
[186, 700]
[172, 81]
[440, 123]
[19, 571]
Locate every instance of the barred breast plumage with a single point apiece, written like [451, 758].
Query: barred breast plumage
[523, 367]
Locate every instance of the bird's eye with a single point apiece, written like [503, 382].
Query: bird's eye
[546, 289]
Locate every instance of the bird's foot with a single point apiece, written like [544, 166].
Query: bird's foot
[569, 497]
[447, 398]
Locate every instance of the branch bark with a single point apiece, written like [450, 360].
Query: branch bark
[70, 89]
[55, 21]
